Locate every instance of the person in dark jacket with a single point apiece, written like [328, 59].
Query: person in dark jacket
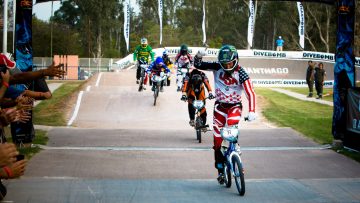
[310, 77]
[320, 75]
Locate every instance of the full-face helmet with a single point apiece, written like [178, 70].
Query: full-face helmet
[184, 49]
[228, 58]
[159, 61]
[144, 42]
[165, 54]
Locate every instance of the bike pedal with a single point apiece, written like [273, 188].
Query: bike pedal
[221, 179]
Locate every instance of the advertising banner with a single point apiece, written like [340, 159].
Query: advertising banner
[353, 111]
[344, 70]
[203, 23]
[160, 18]
[301, 24]
[251, 22]
[127, 23]
[23, 132]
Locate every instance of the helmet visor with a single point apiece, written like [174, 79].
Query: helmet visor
[229, 65]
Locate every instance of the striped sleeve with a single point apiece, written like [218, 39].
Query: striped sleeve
[250, 94]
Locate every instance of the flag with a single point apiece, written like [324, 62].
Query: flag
[160, 18]
[203, 23]
[251, 22]
[127, 23]
[301, 24]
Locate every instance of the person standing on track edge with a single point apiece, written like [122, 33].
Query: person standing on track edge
[142, 51]
[230, 81]
[320, 75]
[310, 77]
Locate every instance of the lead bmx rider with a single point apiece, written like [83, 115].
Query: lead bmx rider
[230, 80]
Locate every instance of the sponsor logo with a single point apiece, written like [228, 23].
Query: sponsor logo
[286, 83]
[280, 71]
[270, 54]
[344, 9]
[26, 3]
[228, 80]
[329, 57]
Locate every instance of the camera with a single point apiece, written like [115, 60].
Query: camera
[20, 157]
[3, 68]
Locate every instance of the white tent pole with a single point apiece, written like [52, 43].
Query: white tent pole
[5, 24]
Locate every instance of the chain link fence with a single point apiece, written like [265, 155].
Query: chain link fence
[87, 66]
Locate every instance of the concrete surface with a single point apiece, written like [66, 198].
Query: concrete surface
[123, 149]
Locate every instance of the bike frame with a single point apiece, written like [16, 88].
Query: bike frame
[230, 152]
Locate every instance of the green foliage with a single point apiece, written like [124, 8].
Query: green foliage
[95, 28]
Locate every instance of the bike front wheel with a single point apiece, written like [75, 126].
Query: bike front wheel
[239, 175]
[141, 84]
[227, 175]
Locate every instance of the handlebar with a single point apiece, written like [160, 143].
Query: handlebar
[204, 99]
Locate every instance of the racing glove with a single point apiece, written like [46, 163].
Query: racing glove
[251, 116]
[184, 97]
[211, 96]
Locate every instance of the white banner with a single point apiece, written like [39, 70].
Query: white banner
[203, 24]
[127, 23]
[301, 24]
[160, 18]
[251, 22]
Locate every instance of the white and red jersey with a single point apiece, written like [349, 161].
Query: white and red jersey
[229, 87]
[184, 58]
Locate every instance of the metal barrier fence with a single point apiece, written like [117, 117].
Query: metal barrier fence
[87, 66]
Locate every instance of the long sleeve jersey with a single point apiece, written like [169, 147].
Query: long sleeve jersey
[229, 87]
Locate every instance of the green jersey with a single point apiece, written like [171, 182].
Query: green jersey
[141, 52]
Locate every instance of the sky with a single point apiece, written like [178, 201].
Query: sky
[43, 10]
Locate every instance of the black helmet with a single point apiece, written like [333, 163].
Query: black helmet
[196, 79]
[228, 54]
[184, 49]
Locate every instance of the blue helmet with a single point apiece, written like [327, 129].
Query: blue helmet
[159, 61]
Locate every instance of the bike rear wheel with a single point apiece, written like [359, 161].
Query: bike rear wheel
[227, 175]
[239, 175]
[156, 94]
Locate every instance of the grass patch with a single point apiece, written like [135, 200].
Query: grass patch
[327, 92]
[40, 138]
[52, 112]
[351, 154]
[311, 119]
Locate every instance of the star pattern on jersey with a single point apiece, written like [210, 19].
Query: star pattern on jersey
[243, 76]
[232, 98]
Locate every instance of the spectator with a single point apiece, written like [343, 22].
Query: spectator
[320, 75]
[279, 44]
[310, 77]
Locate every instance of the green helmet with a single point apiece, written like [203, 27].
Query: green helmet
[228, 54]
[184, 49]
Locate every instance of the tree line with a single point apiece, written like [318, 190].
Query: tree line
[94, 28]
